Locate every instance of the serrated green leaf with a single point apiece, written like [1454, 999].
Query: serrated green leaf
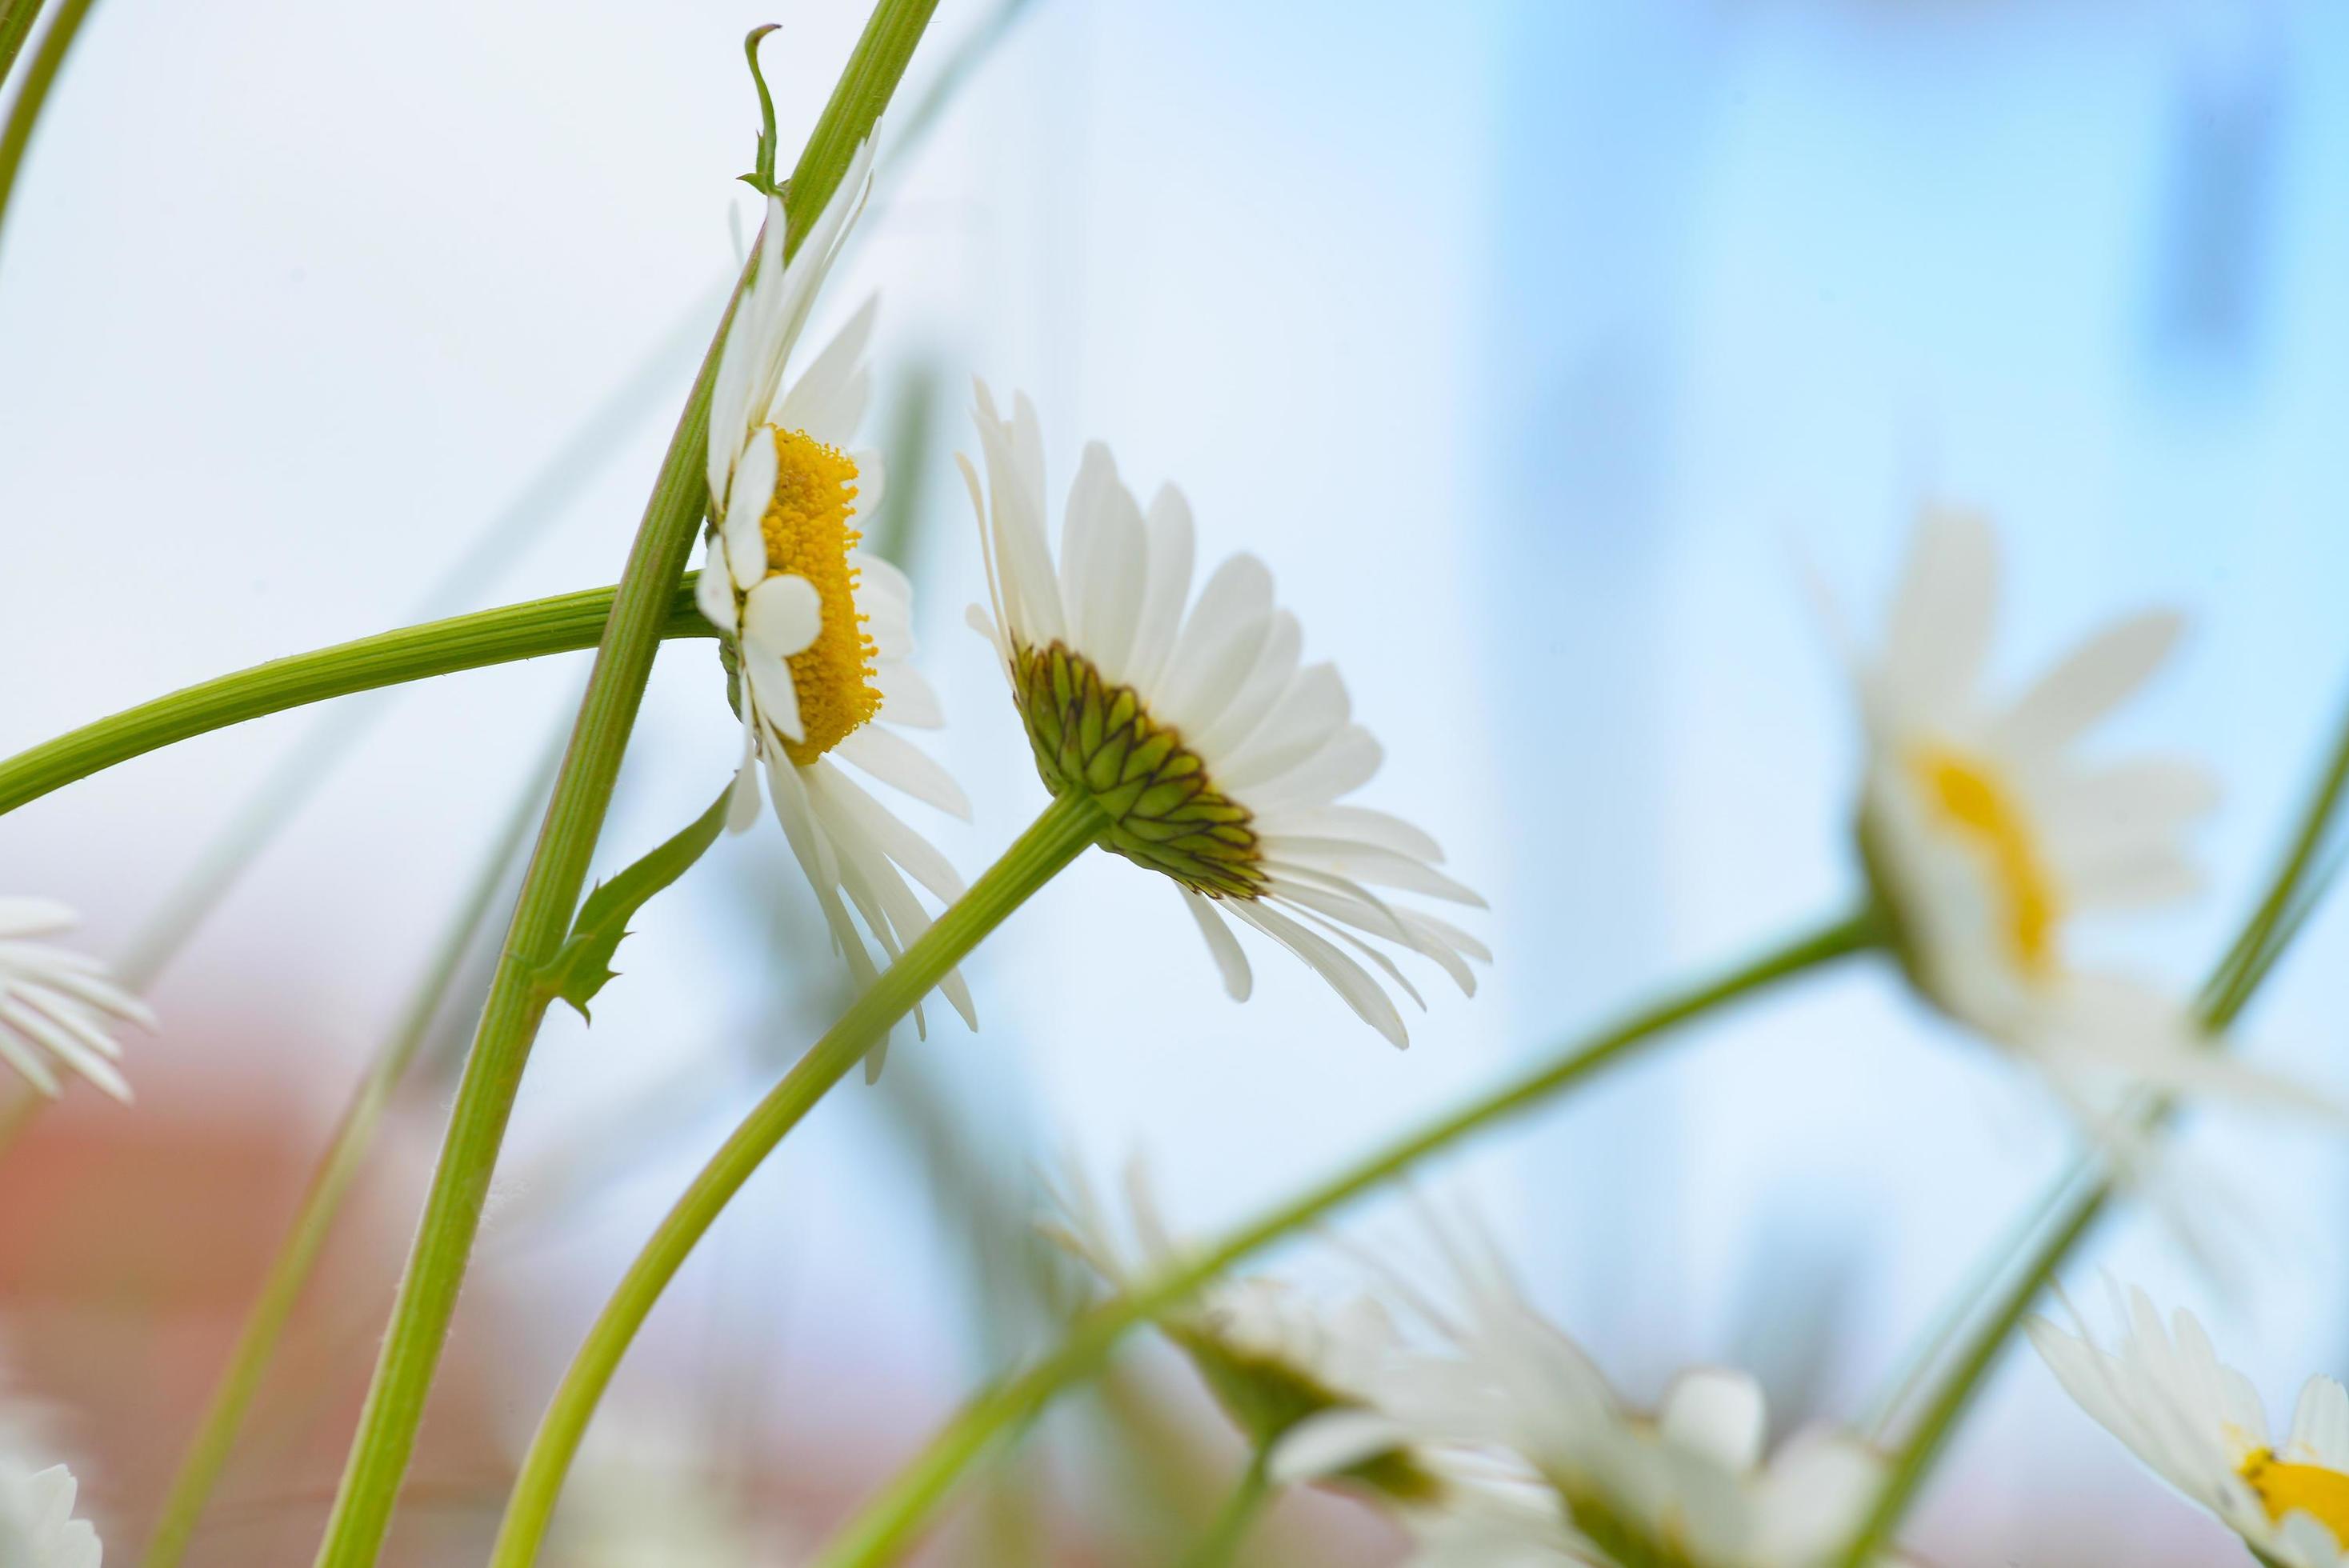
[583, 964]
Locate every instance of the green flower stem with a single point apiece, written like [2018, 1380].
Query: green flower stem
[564, 623]
[208, 1452]
[641, 608]
[887, 1524]
[16, 19]
[33, 92]
[1221, 1544]
[1066, 828]
[2230, 989]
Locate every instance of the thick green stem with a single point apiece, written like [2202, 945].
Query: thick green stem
[642, 605]
[1056, 838]
[2237, 977]
[33, 92]
[558, 870]
[208, 1452]
[887, 1524]
[564, 623]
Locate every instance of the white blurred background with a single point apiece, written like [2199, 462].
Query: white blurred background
[1533, 344]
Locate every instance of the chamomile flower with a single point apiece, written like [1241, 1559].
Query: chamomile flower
[1216, 756]
[1985, 832]
[821, 631]
[58, 1004]
[37, 1529]
[1685, 1486]
[2198, 1425]
[1270, 1356]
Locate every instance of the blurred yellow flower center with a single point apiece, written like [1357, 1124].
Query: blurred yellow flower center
[808, 536]
[2313, 1490]
[1976, 803]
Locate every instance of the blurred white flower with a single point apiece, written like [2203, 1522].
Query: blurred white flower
[655, 1490]
[57, 1003]
[1269, 1354]
[37, 1529]
[1214, 757]
[2198, 1425]
[822, 631]
[1985, 832]
[1686, 1486]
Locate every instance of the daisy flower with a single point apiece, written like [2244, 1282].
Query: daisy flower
[55, 1003]
[821, 633]
[37, 1529]
[1685, 1486]
[2198, 1425]
[1985, 832]
[1216, 758]
[1274, 1357]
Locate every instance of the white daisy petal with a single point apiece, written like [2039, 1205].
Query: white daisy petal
[895, 761]
[1229, 960]
[2097, 678]
[783, 615]
[746, 510]
[771, 688]
[1213, 755]
[906, 697]
[827, 400]
[58, 1007]
[713, 590]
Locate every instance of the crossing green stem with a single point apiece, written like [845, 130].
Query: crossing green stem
[641, 606]
[208, 1452]
[1058, 837]
[2247, 964]
[888, 1524]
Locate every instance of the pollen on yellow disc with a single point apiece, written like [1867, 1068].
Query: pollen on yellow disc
[1973, 800]
[2312, 1489]
[808, 535]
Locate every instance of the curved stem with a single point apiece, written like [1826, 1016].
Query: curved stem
[16, 19]
[564, 623]
[887, 1524]
[1056, 838]
[33, 92]
[2246, 964]
[208, 1451]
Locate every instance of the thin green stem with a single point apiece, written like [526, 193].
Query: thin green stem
[33, 92]
[1221, 1544]
[277, 800]
[564, 623]
[208, 1452]
[2249, 960]
[558, 870]
[1057, 838]
[16, 19]
[888, 1524]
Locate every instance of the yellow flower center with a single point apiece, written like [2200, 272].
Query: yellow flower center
[808, 536]
[1976, 802]
[2313, 1490]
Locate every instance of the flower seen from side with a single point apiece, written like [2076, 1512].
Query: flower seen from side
[1215, 756]
[2199, 1425]
[57, 1008]
[819, 630]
